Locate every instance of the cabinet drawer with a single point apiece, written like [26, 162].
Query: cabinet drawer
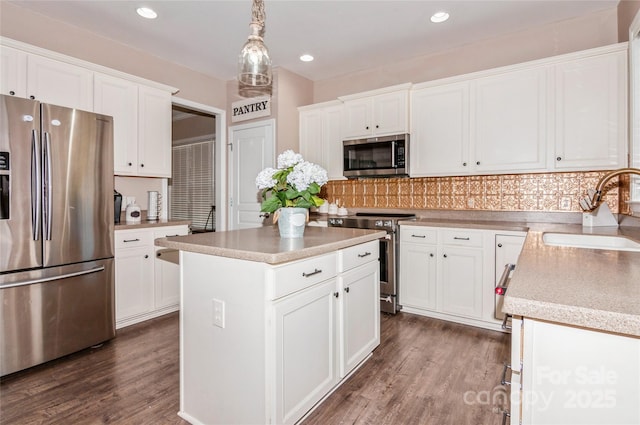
[165, 232]
[292, 277]
[355, 256]
[132, 239]
[462, 237]
[416, 234]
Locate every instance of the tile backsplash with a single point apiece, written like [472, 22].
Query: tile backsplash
[509, 192]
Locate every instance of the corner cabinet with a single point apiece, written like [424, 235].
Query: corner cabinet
[450, 273]
[300, 328]
[377, 113]
[321, 136]
[147, 278]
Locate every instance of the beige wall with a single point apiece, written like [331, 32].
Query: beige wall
[26, 26]
[595, 30]
[627, 10]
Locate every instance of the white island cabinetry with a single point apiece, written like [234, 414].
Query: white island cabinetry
[264, 343]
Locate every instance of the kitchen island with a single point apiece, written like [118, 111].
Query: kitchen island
[270, 326]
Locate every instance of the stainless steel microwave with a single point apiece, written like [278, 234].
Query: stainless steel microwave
[386, 156]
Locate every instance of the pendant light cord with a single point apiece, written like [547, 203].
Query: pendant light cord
[258, 15]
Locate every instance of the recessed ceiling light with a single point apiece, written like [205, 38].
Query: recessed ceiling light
[439, 17]
[147, 12]
[306, 58]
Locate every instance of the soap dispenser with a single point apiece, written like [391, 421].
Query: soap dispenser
[132, 213]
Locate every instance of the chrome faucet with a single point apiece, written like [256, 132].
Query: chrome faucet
[594, 198]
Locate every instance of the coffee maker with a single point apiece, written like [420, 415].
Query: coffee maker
[117, 206]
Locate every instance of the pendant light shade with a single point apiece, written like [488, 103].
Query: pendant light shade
[254, 63]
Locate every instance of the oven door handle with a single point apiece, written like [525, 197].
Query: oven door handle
[503, 283]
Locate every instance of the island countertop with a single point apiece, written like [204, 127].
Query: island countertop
[263, 244]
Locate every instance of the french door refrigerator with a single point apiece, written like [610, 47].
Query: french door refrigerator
[56, 232]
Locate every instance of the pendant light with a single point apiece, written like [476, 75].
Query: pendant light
[254, 64]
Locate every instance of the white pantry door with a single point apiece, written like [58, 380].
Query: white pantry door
[251, 150]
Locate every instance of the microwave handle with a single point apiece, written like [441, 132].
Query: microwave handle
[393, 155]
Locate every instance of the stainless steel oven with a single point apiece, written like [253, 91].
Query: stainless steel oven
[389, 248]
[500, 291]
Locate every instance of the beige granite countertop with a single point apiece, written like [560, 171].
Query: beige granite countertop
[263, 244]
[145, 224]
[484, 224]
[590, 288]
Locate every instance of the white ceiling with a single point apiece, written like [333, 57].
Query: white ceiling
[344, 36]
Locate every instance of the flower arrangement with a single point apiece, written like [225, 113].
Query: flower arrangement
[295, 183]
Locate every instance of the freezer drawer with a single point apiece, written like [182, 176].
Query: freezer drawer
[53, 312]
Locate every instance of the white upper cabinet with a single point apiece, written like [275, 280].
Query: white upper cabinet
[558, 114]
[154, 132]
[376, 114]
[439, 142]
[509, 121]
[321, 136]
[13, 72]
[591, 112]
[142, 125]
[59, 83]
[119, 98]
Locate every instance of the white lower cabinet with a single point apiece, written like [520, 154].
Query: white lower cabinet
[147, 278]
[289, 335]
[571, 376]
[449, 273]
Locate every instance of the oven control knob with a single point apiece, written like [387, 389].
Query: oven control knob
[379, 223]
[388, 223]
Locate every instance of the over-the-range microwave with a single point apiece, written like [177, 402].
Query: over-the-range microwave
[386, 156]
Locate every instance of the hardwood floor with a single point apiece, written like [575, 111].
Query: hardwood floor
[425, 371]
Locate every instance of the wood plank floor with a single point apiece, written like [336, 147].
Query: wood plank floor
[425, 371]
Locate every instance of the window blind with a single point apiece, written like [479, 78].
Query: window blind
[191, 185]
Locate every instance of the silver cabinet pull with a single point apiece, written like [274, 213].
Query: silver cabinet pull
[460, 239]
[503, 380]
[364, 255]
[315, 271]
[419, 236]
[47, 184]
[131, 240]
[36, 183]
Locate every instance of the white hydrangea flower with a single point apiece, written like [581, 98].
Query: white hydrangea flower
[265, 178]
[288, 159]
[304, 173]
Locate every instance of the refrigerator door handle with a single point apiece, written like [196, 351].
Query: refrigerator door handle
[36, 183]
[50, 278]
[47, 185]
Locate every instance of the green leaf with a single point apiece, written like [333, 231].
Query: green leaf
[270, 205]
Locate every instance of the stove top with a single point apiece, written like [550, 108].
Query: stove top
[386, 221]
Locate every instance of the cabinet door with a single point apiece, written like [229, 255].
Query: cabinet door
[440, 130]
[332, 142]
[509, 121]
[154, 132]
[391, 113]
[119, 98]
[591, 108]
[461, 281]
[305, 350]
[59, 83]
[134, 282]
[418, 276]
[167, 269]
[312, 136]
[13, 72]
[508, 249]
[358, 118]
[360, 314]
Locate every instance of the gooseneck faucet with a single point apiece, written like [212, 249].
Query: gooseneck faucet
[593, 201]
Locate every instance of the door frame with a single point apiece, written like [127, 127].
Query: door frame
[232, 129]
[220, 165]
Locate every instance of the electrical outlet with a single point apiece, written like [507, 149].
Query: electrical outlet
[471, 203]
[218, 313]
[565, 203]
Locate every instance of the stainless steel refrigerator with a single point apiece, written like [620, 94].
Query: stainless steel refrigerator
[56, 232]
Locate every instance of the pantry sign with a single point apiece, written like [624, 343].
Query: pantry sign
[248, 109]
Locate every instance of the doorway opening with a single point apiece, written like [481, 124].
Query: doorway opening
[196, 188]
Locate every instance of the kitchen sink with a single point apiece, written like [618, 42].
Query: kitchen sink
[616, 243]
